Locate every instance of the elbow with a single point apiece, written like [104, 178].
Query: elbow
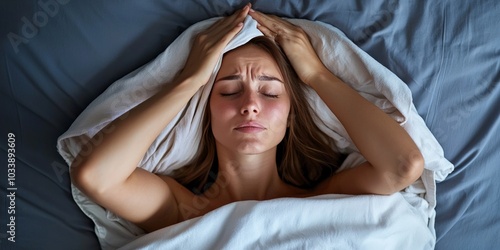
[80, 177]
[410, 167]
[84, 178]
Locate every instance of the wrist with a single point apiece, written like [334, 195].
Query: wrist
[322, 76]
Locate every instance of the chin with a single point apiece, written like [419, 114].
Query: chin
[250, 149]
[248, 146]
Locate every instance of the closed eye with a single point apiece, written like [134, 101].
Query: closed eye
[271, 96]
[267, 95]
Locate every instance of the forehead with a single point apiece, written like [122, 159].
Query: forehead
[248, 55]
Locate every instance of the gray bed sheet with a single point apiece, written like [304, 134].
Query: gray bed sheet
[56, 56]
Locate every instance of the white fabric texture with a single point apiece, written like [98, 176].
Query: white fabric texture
[178, 142]
[322, 222]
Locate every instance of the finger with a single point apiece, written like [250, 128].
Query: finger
[230, 26]
[219, 29]
[231, 21]
[267, 32]
[226, 28]
[265, 20]
[275, 24]
[241, 14]
[232, 32]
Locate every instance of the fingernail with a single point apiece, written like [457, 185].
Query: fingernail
[251, 10]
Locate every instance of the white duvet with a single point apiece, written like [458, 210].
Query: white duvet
[404, 220]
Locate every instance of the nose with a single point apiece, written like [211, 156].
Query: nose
[250, 104]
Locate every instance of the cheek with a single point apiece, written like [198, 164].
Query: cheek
[221, 109]
[221, 113]
[278, 113]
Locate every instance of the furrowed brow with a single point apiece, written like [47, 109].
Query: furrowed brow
[260, 78]
[230, 77]
[269, 78]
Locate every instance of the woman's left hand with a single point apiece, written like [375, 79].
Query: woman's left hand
[294, 42]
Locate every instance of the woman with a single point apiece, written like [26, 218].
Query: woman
[254, 115]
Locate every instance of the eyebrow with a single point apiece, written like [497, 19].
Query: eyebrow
[260, 78]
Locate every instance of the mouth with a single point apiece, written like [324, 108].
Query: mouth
[250, 127]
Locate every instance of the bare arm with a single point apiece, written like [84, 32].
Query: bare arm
[109, 174]
[393, 159]
[130, 136]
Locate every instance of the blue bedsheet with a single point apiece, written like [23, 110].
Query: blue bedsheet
[56, 56]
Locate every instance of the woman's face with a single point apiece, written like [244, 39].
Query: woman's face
[249, 105]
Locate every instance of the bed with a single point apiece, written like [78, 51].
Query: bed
[59, 55]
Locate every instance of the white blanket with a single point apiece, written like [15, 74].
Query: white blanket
[282, 222]
[322, 222]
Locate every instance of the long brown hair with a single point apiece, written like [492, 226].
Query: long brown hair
[305, 156]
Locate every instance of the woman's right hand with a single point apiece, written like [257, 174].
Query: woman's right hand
[208, 46]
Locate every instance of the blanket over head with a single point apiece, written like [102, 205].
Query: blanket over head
[405, 218]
